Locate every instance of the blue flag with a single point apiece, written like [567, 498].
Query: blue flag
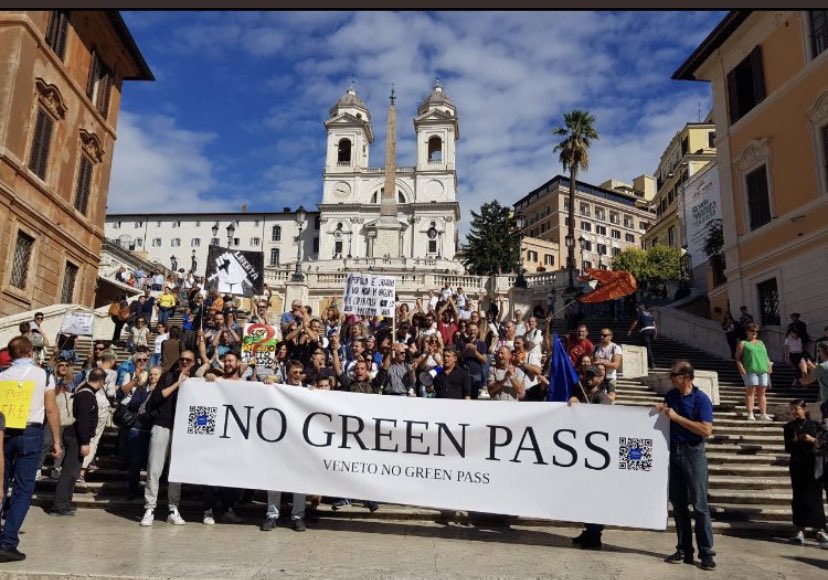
[562, 374]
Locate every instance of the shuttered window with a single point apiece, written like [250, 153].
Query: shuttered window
[70, 275]
[42, 140]
[746, 85]
[99, 84]
[757, 197]
[83, 186]
[56, 32]
[22, 259]
[819, 31]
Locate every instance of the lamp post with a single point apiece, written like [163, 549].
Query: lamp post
[173, 263]
[520, 281]
[570, 260]
[231, 229]
[193, 263]
[350, 235]
[214, 229]
[582, 242]
[300, 221]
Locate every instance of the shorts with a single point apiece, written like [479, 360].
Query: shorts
[757, 380]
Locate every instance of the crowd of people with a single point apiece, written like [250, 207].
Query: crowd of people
[442, 346]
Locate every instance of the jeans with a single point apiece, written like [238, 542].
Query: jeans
[155, 360]
[688, 485]
[164, 314]
[476, 384]
[22, 452]
[159, 450]
[647, 337]
[274, 502]
[69, 473]
[138, 444]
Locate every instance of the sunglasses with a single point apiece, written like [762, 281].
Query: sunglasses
[605, 335]
[186, 360]
[678, 374]
[141, 359]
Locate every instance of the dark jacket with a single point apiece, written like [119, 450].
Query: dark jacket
[85, 409]
[161, 408]
[454, 385]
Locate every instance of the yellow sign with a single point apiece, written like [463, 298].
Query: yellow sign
[15, 402]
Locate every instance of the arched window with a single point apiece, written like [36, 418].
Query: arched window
[276, 234]
[344, 151]
[377, 194]
[435, 149]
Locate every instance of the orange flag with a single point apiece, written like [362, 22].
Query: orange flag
[612, 284]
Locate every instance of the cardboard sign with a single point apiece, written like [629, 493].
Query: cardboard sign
[78, 322]
[16, 402]
[369, 295]
[259, 344]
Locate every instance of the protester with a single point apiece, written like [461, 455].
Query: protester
[806, 504]
[166, 305]
[691, 421]
[611, 357]
[755, 367]
[645, 322]
[579, 344]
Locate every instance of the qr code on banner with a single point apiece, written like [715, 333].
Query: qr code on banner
[635, 454]
[202, 420]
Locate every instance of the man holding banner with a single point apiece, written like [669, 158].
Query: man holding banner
[27, 393]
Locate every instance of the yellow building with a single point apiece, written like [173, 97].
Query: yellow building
[61, 77]
[769, 75]
[540, 255]
[688, 152]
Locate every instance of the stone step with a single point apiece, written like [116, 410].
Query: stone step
[722, 482]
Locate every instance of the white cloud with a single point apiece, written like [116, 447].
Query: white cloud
[160, 167]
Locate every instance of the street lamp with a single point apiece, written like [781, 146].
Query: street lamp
[300, 221]
[231, 229]
[193, 263]
[582, 242]
[520, 221]
[570, 261]
[215, 228]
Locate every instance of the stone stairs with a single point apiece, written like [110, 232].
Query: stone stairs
[749, 484]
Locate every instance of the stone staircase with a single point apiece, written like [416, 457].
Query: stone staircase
[749, 484]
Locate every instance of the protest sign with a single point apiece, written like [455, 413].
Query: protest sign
[237, 272]
[15, 402]
[369, 295]
[78, 322]
[542, 460]
[259, 344]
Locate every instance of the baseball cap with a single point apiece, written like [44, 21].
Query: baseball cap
[592, 370]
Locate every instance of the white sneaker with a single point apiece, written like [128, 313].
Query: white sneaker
[751, 417]
[175, 518]
[799, 539]
[149, 517]
[822, 538]
[767, 417]
[208, 518]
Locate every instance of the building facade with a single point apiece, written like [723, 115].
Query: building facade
[539, 255]
[690, 150]
[606, 221]
[61, 78]
[769, 76]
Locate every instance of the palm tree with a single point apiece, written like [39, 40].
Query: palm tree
[578, 133]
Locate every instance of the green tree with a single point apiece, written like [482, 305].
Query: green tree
[492, 244]
[578, 134]
[653, 267]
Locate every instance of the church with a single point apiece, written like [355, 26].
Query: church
[399, 216]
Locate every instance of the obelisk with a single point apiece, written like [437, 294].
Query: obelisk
[388, 226]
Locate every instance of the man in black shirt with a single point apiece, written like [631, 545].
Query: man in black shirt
[453, 382]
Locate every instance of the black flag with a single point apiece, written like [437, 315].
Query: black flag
[238, 272]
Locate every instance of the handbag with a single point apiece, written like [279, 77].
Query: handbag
[124, 417]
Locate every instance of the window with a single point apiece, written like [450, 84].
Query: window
[600, 214]
[116, 225]
[214, 241]
[643, 226]
[746, 85]
[432, 246]
[22, 257]
[175, 243]
[587, 246]
[274, 256]
[566, 221]
[531, 256]
[584, 209]
[685, 145]
[198, 224]
[819, 31]
[139, 225]
[41, 141]
[195, 243]
[711, 140]
[614, 218]
[276, 234]
[548, 260]
[671, 236]
[629, 238]
[671, 195]
[337, 248]
[343, 152]
[316, 245]
[255, 241]
[435, 149]
[56, 32]
[768, 302]
[234, 242]
[586, 226]
[587, 264]
[83, 186]
[99, 83]
[156, 242]
[602, 249]
[601, 230]
[757, 197]
[616, 234]
[316, 222]
[139, 242]
[176, 224]
[70, 274]
[628, 222]
[616, 251]
[158, 224]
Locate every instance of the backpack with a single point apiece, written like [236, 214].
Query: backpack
[37, 340]
[125, 367]
[65, 408]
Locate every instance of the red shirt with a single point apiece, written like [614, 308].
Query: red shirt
[578, 348]
[447, 332]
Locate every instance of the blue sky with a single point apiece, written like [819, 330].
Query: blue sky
[236, 113]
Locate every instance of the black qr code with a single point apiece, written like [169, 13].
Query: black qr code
[202, 420]
[635, 454]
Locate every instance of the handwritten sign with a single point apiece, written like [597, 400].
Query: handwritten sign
[369, 295]
[15, 402]
[78, 322]
[259, 344]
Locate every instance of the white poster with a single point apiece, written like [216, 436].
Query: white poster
[702, 205]
[78, 322]
[369, 295]
[587, 463]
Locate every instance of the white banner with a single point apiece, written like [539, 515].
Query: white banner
[369, 295]
[702, 203]
[587, 463]
[78, 322]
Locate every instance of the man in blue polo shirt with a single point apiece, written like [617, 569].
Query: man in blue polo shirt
[691, 421]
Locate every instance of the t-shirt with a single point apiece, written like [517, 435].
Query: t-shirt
[507, 391]
[755, 357]
[23, 369]
[794, 344]
[605, 353]
[159, 340]
[447, 332]
[578, 348]
[696, 406]
[646, 320]
[166, 301]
